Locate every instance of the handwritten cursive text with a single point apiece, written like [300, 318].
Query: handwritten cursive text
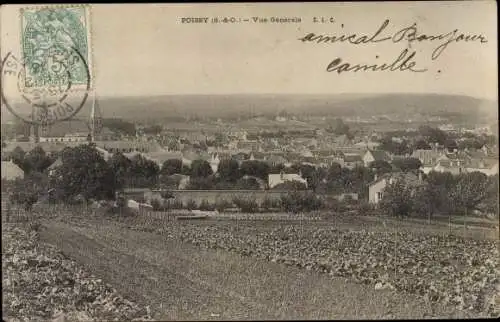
[403, 62]
[410, 34]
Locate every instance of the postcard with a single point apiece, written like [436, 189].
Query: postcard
[225, 161]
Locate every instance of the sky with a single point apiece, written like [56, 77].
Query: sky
[144, 49]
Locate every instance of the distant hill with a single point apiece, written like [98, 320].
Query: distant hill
[180, 106]
[341, 105]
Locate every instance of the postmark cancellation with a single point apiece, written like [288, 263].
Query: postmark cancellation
[53, 72]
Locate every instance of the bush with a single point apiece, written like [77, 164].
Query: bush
[191, 204]
[270, 203]
[301, 202]
[205, 205]
[157, 204]
[222, 204]
[248, 204]
[121, 202]
[367, 209]
[174, 204]
[335, 205]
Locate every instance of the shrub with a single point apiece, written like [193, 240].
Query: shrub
[300, 202]
[167, 194]
[248, 204]
[191, 204]
[121, 201]
[174, 204]
[335, 205]
[367, 209]
[270, 203]
[157, 204]
[206, 205]
[222, 204]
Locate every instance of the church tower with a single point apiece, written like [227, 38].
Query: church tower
[95, 121]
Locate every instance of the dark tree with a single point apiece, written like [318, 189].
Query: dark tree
[171, 166]
[339, 127]
[422, 145]
[119, 125]
[277, 168]
[255, 168]
[143, 172]
[120, 165]
[397, 199]
[451, 144]
[200, 169]
[433, 135]
[18, 158]
[398, 148]
[84, 172]
[469, 193]
[229, 170]
[407, 164]
[249, 183]
[201, 183]
[380, 167]
[470, 144]
[153, 129]
[470, 190]
[37, 160]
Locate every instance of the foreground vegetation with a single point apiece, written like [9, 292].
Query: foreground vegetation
[39, 283]
[451, 270]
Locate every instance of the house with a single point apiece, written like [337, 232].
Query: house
[276, 179]
[490, 151]
[488, 166]
[375, 155]
[132, 155]
[446, 165]
[262, 184]
[128, 146]
[454, 163]
[160, 157]
[50, 148]
[11, 171]
[370, 145]
[275, 160]
[377, 186]
[429, 158]
[252, 145]
[70, 137]
[73, 130]
[105, 154]
[352, 160]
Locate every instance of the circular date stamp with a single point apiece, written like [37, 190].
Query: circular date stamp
[50, 80]
[43, 104]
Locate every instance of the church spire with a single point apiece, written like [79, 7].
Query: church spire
[95, 124]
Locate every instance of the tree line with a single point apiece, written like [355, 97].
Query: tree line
[84, 172]
[442, 194]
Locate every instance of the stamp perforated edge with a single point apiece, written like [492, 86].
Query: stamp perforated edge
[90, 48]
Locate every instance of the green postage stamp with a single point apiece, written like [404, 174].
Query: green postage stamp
[55, 43]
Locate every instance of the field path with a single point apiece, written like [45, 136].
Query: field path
[184, 282]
